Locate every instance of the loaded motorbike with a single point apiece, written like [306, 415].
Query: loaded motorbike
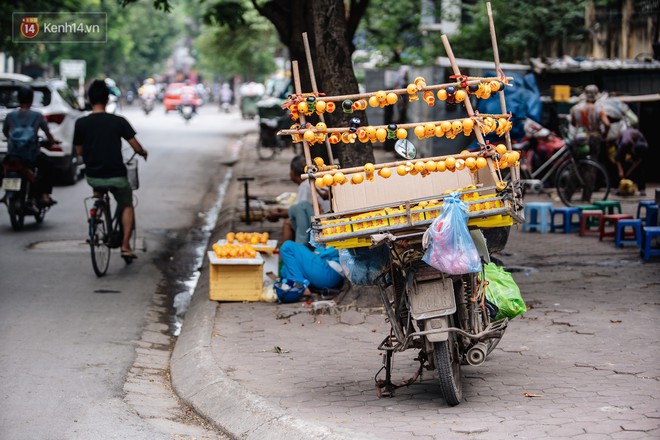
[447, 315]
[21, 202]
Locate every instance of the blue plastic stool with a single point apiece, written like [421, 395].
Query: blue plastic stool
[650, 232]
[567, 213]
[643, 204]
[537, 217]
[651, 216]
[620, 238]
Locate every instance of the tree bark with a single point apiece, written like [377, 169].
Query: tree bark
[330, 33]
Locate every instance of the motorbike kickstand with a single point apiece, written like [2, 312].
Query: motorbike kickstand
[385, 388]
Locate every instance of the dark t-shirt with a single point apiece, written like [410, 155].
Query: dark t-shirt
[100, 135]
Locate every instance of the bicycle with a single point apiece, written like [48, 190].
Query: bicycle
[573, 171]
[106, 231]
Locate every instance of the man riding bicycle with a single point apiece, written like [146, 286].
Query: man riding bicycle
[97, 138]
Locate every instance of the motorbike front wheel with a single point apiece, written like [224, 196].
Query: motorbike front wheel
[15, 208]
[448, 364]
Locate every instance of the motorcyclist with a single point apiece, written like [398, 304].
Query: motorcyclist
[226, 96]
[43, 185]
[148, 91]
[189, 96]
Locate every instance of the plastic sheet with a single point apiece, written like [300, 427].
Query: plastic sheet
[363, 265]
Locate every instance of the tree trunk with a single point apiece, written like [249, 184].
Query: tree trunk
[334, 73]
[330, 33]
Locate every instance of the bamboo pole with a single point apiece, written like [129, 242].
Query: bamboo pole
[468, 104]
[308, 156]
[515, 173]
[312, 76]
[471, 81]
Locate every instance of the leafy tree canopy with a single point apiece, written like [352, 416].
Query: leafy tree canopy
[524, 29]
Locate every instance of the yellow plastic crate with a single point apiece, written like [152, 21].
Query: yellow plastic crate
[335, 230]
[430, 215]
[350, 243]
[397, 216]
[367, 221]
[494, 221]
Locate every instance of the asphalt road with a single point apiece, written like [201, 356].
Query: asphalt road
[83, 357]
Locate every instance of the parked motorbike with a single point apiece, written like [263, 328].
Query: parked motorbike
[272, 118]
[445, 317]
[17, 183]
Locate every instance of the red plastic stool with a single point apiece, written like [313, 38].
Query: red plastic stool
[612, 219]
[586, 220]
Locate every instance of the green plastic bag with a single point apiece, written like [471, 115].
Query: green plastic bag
[503, 291]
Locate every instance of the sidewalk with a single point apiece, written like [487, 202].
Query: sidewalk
[587, 349]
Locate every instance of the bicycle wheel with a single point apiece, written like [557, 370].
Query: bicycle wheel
[100, 251]
[582, 182]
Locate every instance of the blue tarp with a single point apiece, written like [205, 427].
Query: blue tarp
[523, 100]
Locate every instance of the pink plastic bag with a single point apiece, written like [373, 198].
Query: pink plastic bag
[451, 248]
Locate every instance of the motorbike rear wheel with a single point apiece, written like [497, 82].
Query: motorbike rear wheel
[16, 216]
[448, 364]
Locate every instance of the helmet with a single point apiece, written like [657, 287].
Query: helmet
[149, 81]
[591, 92]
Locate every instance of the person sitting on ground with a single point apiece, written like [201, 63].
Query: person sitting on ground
[97, 137]
[298, 216]
[30, 157]
[631, 149]
[318, 268]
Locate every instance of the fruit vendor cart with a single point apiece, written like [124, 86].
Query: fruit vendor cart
[391, 206]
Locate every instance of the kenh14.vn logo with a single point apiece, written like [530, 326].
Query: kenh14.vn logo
[30, 27]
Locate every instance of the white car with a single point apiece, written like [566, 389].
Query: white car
[56, 101]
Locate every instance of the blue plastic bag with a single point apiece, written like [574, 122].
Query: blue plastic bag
[451, 248]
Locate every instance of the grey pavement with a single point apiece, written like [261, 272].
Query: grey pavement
[582, 363]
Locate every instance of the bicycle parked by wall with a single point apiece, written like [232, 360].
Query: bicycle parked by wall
[105, 228]
[577, 178]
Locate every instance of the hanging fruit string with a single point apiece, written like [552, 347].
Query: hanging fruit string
[464, 82]
[478, 118]
[372, 168]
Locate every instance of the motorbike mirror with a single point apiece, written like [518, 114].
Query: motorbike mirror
[405, 149]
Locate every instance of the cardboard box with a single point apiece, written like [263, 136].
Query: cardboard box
[237, 279]
[560, 93]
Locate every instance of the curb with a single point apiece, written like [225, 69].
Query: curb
[201, 383]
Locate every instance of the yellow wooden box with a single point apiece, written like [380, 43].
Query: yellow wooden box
[236, 279]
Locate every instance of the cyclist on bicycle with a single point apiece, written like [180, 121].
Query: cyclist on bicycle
[97, 137]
